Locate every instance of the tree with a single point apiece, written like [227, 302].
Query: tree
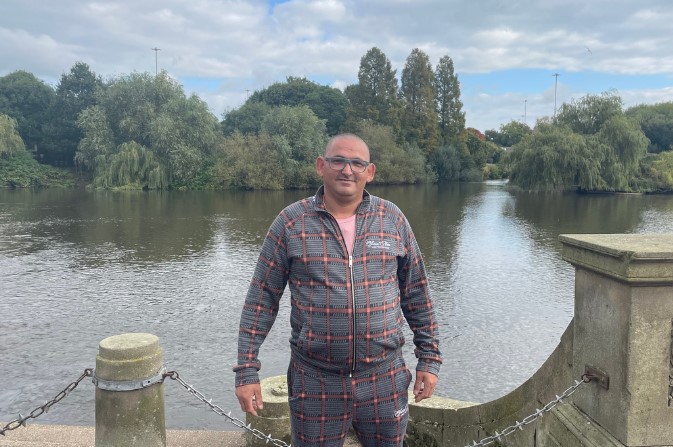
[449, 107]
[28, 100]
[555, 158]
[75, 92]
[394, 163]
[327, 103]
[154, 113]
[375, 96]
[10, 140]
[509, 134]
[586, 115]
[656, 122]
[419, 120]
[247, 119]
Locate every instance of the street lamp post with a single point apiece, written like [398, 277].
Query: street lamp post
[555, 86]
[156, 60]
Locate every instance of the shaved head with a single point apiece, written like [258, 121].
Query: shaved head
[345, 136]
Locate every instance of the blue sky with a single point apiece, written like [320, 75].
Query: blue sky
[505, 52]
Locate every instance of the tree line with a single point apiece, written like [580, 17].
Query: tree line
[141, 131]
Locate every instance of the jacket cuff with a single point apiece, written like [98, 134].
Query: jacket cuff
[246, 376]
[427, 365]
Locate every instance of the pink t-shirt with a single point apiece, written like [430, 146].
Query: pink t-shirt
[347, 226]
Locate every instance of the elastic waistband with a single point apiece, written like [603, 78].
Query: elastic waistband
[318, 370]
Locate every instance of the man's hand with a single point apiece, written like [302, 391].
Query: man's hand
[250, 398]
[424, 385]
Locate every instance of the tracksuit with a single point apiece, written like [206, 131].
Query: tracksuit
[346, 320]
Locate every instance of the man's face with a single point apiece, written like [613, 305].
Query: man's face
[345, 185]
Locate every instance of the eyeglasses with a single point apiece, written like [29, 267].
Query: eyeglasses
[339, 163]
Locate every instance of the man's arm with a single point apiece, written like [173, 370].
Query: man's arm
[417, 309]
[259, 313]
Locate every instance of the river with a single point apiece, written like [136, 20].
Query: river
[77, 267]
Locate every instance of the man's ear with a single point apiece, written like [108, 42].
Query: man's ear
[320, 165]
[371, 170]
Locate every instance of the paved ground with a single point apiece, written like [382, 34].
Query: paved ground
[35, 435]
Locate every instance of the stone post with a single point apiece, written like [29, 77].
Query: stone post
[623, 327]
[274, 419]
[129, 418]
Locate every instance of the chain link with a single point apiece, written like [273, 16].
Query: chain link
[44, 408]
[235, 421]
[533, 417]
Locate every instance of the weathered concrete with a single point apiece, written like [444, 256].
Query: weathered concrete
[274, 419]
[623, 321]
[130, 417]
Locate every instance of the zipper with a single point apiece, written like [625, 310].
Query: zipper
[350, 277]
[350, 268]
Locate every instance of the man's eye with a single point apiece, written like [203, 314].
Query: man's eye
[358, 164]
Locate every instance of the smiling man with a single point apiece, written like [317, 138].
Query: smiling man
[355, 272]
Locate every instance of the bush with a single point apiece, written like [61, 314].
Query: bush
[23, 171]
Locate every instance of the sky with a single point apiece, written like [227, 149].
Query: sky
[506, 53]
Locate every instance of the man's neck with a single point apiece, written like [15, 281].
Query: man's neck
[340, 210]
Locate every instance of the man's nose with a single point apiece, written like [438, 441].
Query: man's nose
[350, 168]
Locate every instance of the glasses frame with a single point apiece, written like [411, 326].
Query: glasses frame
[347, 161]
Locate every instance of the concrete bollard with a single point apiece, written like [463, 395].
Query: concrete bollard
[274, 419]
[129, 417]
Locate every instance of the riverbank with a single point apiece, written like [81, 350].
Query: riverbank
[37, 435]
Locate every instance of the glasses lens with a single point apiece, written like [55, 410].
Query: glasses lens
[358, 166]
[339, 163]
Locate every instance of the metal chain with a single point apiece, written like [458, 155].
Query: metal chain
[44, 408]
[235, 421]
[586, 378]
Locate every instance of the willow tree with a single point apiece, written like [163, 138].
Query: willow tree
[152, 111]
[555, 158]
[10, 140]
[419, 119]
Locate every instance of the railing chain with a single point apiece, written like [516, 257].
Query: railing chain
[44, 408]
[235, 421]
[586, 378]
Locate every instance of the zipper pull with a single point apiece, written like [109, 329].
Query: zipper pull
[350, 261]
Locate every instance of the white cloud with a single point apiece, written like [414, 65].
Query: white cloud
[250, 44]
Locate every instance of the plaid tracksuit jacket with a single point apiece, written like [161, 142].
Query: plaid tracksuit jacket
[347, 308]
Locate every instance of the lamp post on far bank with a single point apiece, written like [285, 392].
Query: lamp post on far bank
[555, 86]
[156, 60]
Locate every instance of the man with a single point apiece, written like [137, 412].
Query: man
[354, 270]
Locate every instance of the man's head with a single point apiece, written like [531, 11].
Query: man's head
[345, 168]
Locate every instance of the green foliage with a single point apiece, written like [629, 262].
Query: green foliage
[75, 92]
[247, 119]
[21, 170]
[555, 158]
[419, 119]
[249, 162]
[509, 134]
[132, 167]
[328, 103]
[28, 100]
[394, 163]
[659, 169]
[449, 107]
[375, 96]
[587, 115]
[656, 122]
[10, 140]
[175, 132]
[446, 164]
[303, 131]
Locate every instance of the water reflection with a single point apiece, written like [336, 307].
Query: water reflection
[76, 267]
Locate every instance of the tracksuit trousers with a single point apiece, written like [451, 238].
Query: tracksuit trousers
[323, 406]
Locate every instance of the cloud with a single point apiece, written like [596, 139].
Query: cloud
[247, 45]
